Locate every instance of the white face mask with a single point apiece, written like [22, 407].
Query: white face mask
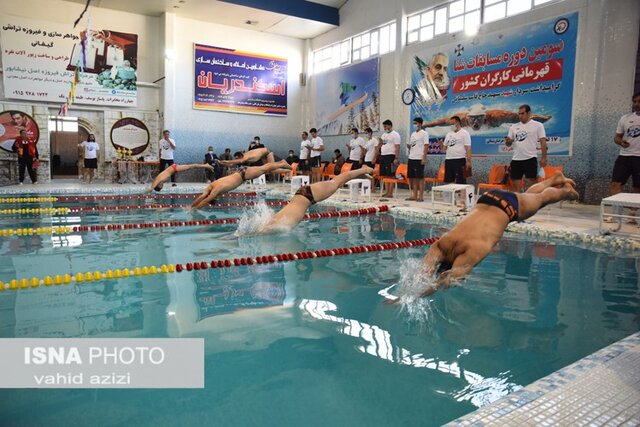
[211, 151]
[454, 128]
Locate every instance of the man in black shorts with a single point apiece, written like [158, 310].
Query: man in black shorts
[628, 138]
[524, 137]
[389, 149]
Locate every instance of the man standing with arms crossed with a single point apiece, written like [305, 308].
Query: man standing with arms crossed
[167, 146]
[525, 136]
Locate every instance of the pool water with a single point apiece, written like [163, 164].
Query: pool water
[307, 342]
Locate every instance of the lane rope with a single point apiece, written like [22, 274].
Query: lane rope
[146, 196]
[96, 276]
[66, 229]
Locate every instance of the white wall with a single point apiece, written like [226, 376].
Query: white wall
[194, 130]
[604, 76]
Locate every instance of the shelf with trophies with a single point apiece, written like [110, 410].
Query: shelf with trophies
[132, 171]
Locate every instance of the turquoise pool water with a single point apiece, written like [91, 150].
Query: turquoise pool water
[307, 342]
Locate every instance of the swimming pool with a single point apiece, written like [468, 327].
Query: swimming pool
[306, 342]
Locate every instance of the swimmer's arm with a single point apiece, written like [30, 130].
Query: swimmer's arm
[461, 266]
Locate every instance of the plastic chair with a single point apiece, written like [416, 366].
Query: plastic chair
[346, 167]
[403, 169]
[438, 179]
[496, 179]
[293, 172]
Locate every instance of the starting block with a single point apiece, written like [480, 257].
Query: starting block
[261, 180]
[454, 195]
[617, 204]
[359, 187]
[298, 181]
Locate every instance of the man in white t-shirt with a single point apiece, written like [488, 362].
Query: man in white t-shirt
[389, 147]
[316, 150]
[305, 152]
[90, 156]
[457, 144]
[370, 148]
[356, 150]
[628, 138]
[167, 147]
[418, 147]
[524, 136]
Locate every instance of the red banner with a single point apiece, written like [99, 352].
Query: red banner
[512, 76]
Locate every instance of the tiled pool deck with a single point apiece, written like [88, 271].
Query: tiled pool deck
[600, 389]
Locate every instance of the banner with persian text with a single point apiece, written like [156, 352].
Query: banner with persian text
[485, 79]
[239, 82]
[40, 58]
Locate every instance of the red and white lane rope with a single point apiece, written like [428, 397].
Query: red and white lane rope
[95, 276]
[165, 224]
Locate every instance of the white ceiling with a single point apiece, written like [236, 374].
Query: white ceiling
[225, 13]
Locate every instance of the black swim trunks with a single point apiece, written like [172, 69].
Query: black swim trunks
[305, 191]
[504, 200]
[242, 170]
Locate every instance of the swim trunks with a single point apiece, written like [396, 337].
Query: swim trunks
[305, 191]
[504, 200]
[174, 167]
[242, 170]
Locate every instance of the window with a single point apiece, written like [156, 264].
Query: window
[375, 42]
[456, 16]
[63, 124]
[463, 15]
[331, 56]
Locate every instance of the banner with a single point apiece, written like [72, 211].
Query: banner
[346, 98]
[484, 80]
[239, 82]
[40, 58]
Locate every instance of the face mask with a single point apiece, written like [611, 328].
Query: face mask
[453, 128]
[210, 151]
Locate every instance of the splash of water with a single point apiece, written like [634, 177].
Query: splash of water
[255, 220]
[413, 282]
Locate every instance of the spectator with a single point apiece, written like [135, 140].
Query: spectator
[370, 148]
[457, 144]
[337, 161]
[27, 151]
[292, 158]
[418, 147]
[91, 149]
[305, 152]
[167, 147]
[389, 147]
[628, 138]
[316, 151]
[356, 150]
[255, 144]
[211, 159]
[524, 137]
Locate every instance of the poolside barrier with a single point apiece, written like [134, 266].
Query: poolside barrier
[95, 276]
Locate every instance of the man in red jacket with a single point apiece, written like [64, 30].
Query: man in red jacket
[27, 151]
